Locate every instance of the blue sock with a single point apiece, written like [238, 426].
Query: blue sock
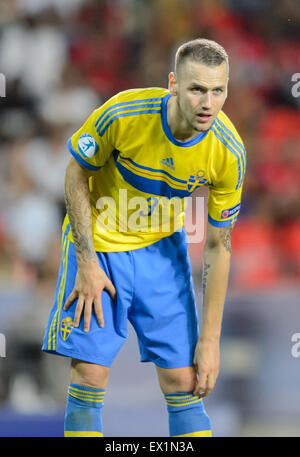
[83, 415]
[187, 416]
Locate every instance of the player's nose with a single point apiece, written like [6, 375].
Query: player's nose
[206, 101]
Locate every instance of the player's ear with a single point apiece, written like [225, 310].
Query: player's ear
[172, 83]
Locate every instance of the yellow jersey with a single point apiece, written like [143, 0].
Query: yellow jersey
[144, 174]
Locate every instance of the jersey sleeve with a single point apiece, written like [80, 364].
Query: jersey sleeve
[223, 207]
[224, 200]
[88, 145]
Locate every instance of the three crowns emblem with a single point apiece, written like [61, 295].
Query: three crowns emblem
[196, 180]
[66, 327]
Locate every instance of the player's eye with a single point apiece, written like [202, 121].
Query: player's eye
[197, 90]
[218, 91]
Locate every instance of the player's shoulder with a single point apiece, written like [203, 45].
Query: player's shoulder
[130, 96]
[148, 93]
[136, 95]
[225, 128]
[123, 105]
[230, 154]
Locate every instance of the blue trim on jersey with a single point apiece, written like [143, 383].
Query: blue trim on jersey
[126, 108]
[167, 129]
[221, 223]
[234, 142]
[149, 186]
[234, 152]
[127, 114]
[235, 218]
[131, 102]
[236, 148]
[231, 133]
[80, 159]
[153, 169]
[67, 230]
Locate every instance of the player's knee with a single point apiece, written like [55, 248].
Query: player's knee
[177, 379]
[89, 374]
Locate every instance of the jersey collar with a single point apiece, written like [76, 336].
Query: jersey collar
[167, 129]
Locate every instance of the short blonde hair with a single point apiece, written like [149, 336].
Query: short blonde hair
[207, 52]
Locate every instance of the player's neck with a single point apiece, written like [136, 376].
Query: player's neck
[178, 126]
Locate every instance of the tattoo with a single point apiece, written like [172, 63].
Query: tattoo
[80, 216]
[204, 277]
[226, 237]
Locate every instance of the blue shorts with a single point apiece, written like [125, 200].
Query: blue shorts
[154, 292]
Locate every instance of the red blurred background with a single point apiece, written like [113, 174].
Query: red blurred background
[63, 59]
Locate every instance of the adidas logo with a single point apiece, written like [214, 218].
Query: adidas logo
[168, 162]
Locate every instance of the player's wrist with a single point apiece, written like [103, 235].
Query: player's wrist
[209, 336]
[87, 262]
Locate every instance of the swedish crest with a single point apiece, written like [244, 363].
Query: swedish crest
[66, 328]
[196, 180]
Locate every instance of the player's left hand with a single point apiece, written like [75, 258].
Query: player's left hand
[207, 364]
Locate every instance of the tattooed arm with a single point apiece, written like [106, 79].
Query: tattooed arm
[216, 262]
[79, 211]
[90, 279]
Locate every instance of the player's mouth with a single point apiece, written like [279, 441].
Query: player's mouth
[204, 117]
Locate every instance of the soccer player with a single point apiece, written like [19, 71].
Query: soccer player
[123, 260]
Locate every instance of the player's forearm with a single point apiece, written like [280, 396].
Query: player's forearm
[216, 264]
[80, 213]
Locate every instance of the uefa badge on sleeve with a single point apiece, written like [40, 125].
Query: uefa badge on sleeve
[87, 145]
[230, 211]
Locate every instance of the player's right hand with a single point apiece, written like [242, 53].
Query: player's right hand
[89, 284]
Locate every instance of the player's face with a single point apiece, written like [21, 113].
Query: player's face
[201, 92]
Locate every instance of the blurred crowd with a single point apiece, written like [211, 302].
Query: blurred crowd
[62, 59]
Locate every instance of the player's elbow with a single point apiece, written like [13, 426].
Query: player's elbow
[212, 243]
[218, 238]
[213, 238]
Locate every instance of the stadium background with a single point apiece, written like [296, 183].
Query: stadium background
[60, 60]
